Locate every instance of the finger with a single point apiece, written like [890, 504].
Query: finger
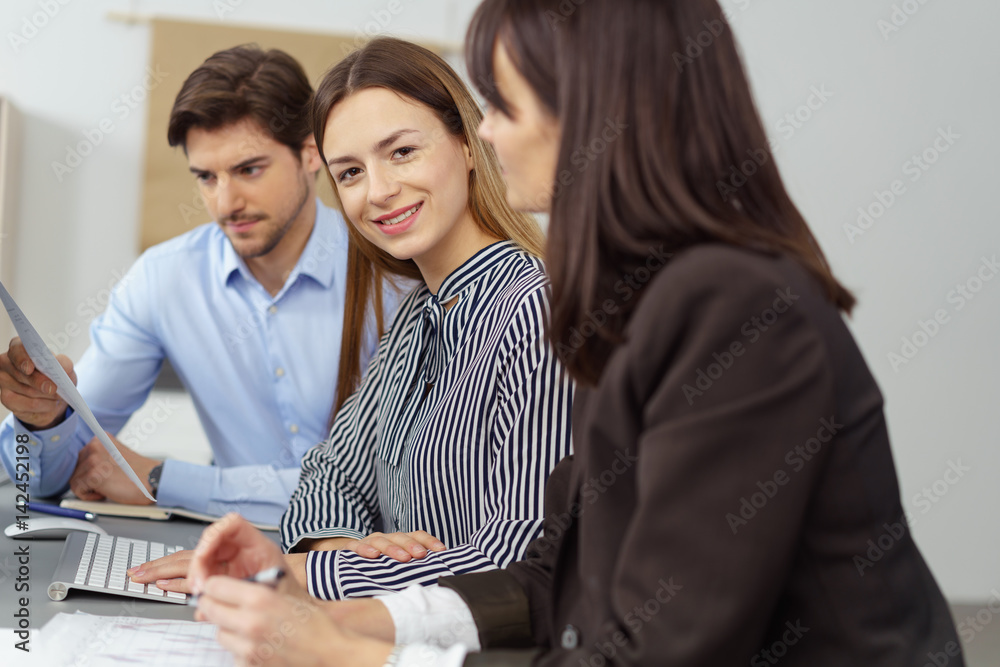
[226, 539]
[174, 566]
[362, 549]
[428, 541]
[19, 357]
[406, 542]
[67, 365]
[179, 585]
[389, 548]
[232, 592]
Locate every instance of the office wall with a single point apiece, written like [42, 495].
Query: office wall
[850, 93]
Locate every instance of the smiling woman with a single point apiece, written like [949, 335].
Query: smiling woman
[465, 410]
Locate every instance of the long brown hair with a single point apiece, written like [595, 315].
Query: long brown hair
[423, 76]
[660, 84]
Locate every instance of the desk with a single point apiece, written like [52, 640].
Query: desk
[44, 556]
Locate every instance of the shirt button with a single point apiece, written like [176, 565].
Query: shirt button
[570, 637]
[55, 438]
[279, 371]
[294, 428]
[272, 310]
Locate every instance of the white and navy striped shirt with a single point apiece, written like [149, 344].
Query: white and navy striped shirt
[454, 430]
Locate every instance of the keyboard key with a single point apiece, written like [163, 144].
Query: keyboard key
[176, 595]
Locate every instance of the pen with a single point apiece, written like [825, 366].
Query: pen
[61, 511]
[269, 577]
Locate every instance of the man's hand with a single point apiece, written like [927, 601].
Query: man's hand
[403, 547]
[27, 392]
[97, 476]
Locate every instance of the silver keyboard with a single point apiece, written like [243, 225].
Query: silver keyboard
[92, 562]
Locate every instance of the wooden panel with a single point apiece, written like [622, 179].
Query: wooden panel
[171, 204]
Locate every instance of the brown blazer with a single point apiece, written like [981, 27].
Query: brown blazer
[732, 499]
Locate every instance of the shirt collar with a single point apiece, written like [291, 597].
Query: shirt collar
[473, 269]
[318, 259]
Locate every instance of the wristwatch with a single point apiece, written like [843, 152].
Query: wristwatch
[154, 479]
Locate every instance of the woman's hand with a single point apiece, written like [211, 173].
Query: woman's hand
[265, 626]
[403, 547]
[399, 546]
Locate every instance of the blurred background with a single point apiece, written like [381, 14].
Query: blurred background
[882, 115]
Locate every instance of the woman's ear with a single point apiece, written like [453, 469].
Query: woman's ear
[470, 163]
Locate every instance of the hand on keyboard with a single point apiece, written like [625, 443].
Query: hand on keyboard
[168, 573]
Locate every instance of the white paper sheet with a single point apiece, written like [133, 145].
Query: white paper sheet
[46, 362]
[97, 641]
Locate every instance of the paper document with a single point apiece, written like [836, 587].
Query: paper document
[83, 639]
[46, 362]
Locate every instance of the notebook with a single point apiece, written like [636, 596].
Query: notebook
[154, 512]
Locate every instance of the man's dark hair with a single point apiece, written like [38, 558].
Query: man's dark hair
[245, 82]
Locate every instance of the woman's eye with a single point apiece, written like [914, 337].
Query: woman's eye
[348, 174]
[251, 171]
[404, 151]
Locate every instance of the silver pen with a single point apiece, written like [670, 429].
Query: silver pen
[270, 577]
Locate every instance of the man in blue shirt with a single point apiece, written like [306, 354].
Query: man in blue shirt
[249, 311]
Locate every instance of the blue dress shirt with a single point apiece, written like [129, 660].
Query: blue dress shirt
[261, 370]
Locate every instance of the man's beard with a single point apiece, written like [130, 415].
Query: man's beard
[277, 233]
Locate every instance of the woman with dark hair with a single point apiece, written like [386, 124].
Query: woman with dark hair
[732, 498]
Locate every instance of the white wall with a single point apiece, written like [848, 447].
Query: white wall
[888, 97]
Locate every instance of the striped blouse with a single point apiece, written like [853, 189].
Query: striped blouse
[454, 430]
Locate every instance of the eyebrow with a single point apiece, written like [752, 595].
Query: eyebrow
[377, 148]
[240, 165]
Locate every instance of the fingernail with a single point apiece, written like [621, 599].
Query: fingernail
[138, 573]
[162, 582]
[132, 570]
[47, 387]
[25, 368]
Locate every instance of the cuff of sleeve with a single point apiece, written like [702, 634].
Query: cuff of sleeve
[321, 575]
[58, 434]
[186, 485]
[499, 607]
[431, 615]
[321, 534]
[429, 656]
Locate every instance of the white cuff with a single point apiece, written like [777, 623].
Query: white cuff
[422, 655]
[432, 615]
